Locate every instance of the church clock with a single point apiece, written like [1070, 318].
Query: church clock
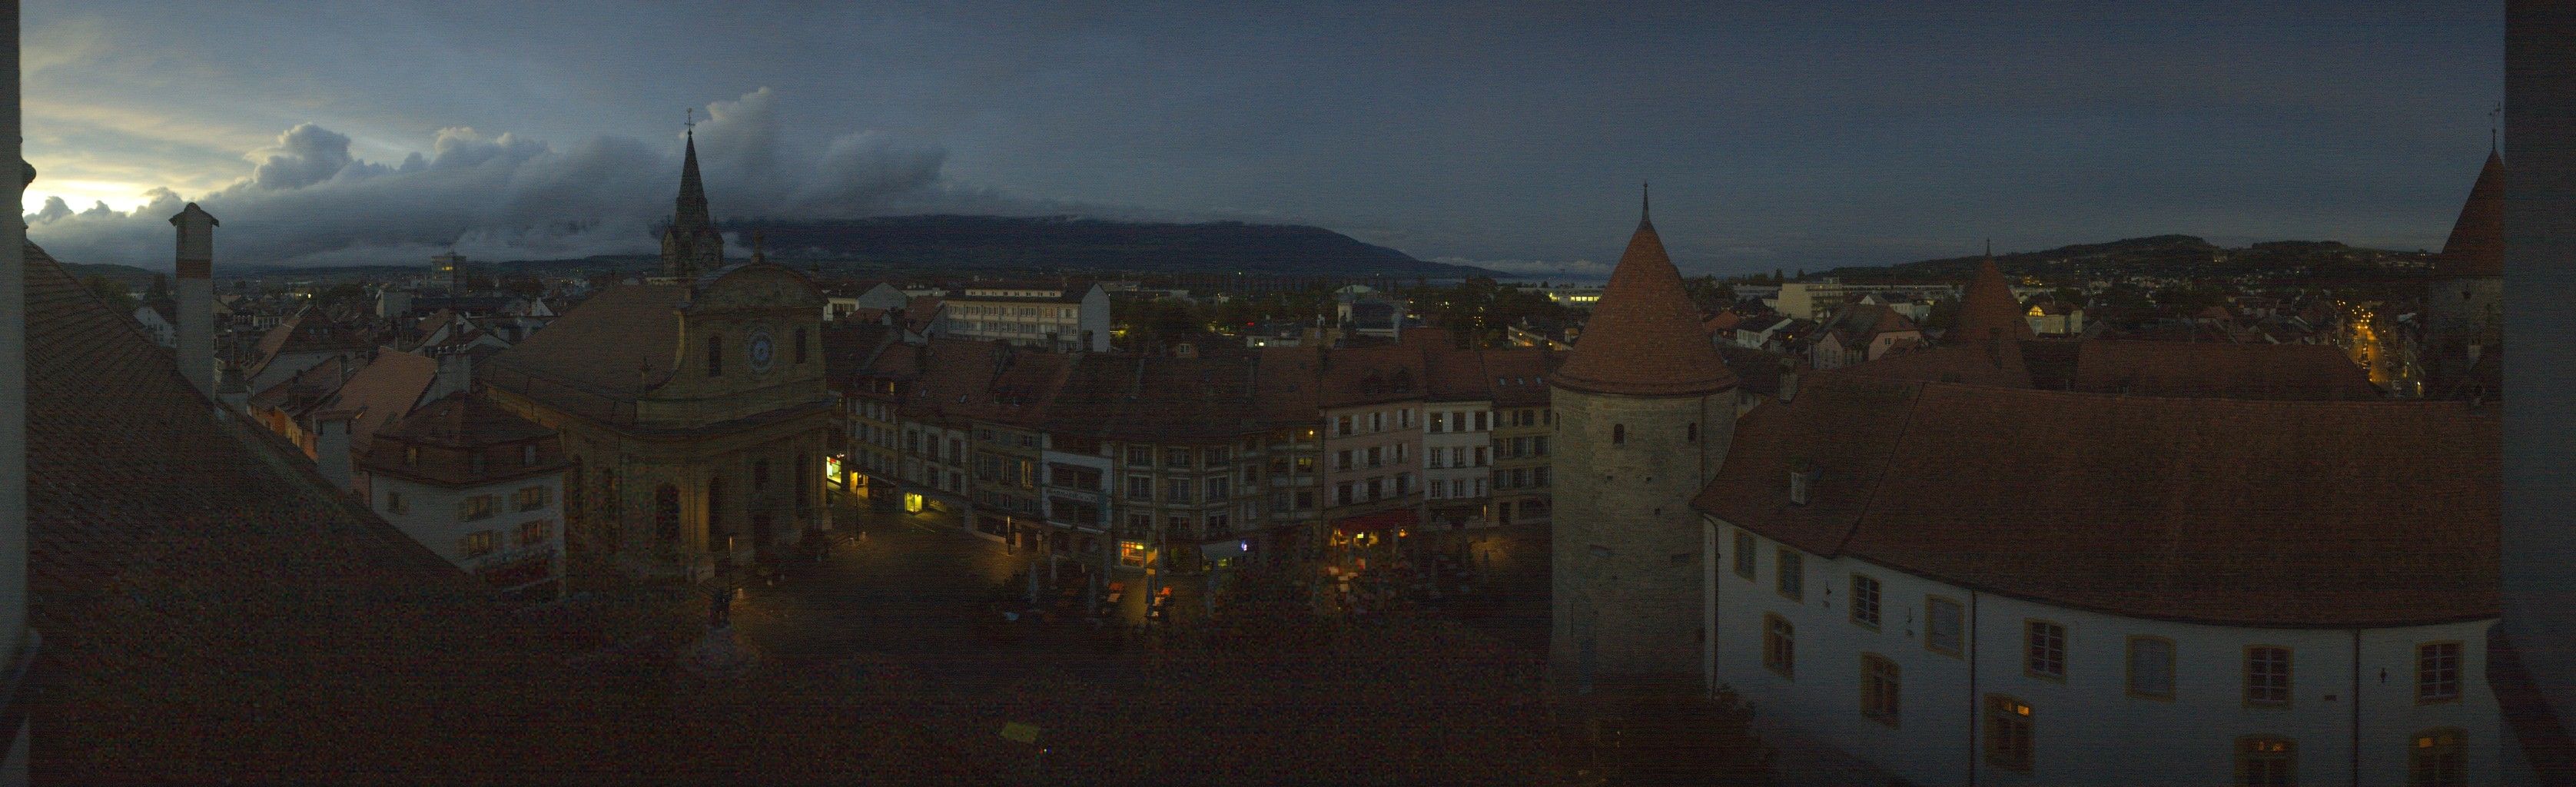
[761, 351]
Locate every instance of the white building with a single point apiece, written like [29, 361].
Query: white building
[869, 295]
[481, 487]
[1058, 317]
[1972, 585]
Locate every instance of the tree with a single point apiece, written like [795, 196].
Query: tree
[113, 293]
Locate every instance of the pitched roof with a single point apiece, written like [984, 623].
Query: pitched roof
[212, 610]
[2273, 372]
[1158, 398]
[462, 423]
[1520, 374]
[1644, 338]
[2190, 370]
[382, 393]
[615, 346]
[1988, 308]
[2217, 511]
[2476, 246]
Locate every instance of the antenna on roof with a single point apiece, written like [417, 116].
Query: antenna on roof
[2494, 117]
[1645, 199]
[1990, 248]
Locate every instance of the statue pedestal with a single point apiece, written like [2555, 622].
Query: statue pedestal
[718, 655]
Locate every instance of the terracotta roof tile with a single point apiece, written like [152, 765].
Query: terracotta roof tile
[1644, 338]
[2476, 246]
[212, 611]
[2231, 512]
[1988, 308]
[617, 345]
[382, 393]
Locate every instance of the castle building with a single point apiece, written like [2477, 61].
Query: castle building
[692, 407]
[1989, 311]
[2463, 302]
[1645, 410]
[1963, 583]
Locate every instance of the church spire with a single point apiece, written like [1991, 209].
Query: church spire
[691, 208]
[691, 245]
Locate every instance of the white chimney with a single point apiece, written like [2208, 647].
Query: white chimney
[195, 293]
[331, 446]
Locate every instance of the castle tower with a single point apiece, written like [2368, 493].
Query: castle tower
[1645, 410]
[2464, 301]
[691, 245]
[1988, 309]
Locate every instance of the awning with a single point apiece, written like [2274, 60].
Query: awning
[1380, 521]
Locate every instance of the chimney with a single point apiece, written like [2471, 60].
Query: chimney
[455, 375]
[194, 289]
[331, 446]
[1788, 381]
[1802, 476]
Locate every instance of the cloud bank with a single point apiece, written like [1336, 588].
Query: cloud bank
[307, 200]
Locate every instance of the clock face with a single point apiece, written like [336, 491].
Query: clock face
[760, 350]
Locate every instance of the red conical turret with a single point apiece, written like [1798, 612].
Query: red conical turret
[1988, 310]
[2476, 247]
[1644, 337]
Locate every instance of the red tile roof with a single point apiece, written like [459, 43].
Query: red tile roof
[2191, 370]
[1644, 338]
[2476, 246]
[614, 347]
[212, 610]
[382, 393]
[2294, 514]
[447, 430]
[1989, 310]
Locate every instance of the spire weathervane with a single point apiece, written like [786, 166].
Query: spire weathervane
[2494, 117]
[1645, 199]
[690, 120]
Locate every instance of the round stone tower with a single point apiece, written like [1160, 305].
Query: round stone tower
[1645, 409]
[2463, 301]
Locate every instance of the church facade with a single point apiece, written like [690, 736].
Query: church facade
[693, 408]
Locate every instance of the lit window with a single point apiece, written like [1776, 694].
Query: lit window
[532, 498]
[2151, 667]
[2267, 676]
[481, 542]
[1790, 566]
[2047, 649]
[2437, 672]
[1780, 646]
[1879, 688]
[2009, 733]
[1744, 556]
[2434, 758]
[535, 532]
[476, 507]
[1864, 600]
[2266, 762]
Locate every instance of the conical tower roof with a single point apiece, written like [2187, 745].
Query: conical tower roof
[1644, 338]
[1989, 310]
[2476, 247]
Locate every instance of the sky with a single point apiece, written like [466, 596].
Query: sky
[1508, 135]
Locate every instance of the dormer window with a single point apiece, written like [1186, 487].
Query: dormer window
[528, 454]
[411, 456]
[476, 462]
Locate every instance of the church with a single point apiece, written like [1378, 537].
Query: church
[692, 405]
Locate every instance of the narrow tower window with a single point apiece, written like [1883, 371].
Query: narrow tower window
[1618, 434]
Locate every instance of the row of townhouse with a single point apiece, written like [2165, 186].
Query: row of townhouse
[1192, 461]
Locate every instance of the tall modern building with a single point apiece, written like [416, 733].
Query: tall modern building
[1645, 409]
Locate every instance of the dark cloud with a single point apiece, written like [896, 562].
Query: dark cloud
[503, 196]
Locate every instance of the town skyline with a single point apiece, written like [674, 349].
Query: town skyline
[1841, 136]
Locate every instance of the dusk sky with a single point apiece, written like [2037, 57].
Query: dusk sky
[1803, 136]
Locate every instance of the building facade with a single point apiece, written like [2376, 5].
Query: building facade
[1063, 318]
[694, 411]
[479, 486]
